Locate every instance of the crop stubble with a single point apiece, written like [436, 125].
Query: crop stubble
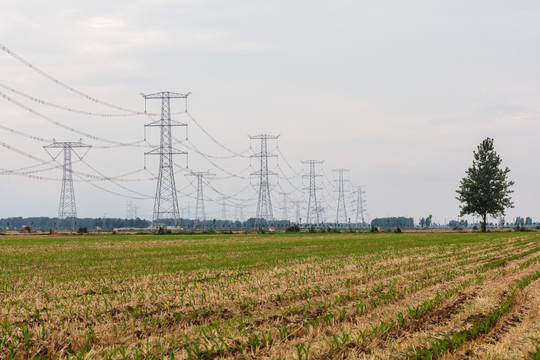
[254, 296]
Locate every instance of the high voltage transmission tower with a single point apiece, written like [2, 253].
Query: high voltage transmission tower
[131, 210]
[341, 208]
[200, 214]
[239, 212]
[166, 200]
[360, 205]
[264, 213]
[223, 208]
[284, 214]
[313, 207]
[297, 207]
[67, 212]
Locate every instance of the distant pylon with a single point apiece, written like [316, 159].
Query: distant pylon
[67, 211]
[166, 199]
[200, 214]
[297, 207]
[188, 210]
[241, 218]
[312, 208]
[224, 208]
[284, 214]
[264, 213]
[131, 211]
[360, 205]
[341, 208]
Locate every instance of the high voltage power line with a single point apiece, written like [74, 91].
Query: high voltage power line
[165, 201]
[64, 85]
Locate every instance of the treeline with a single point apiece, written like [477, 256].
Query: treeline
[46, 223]
[393, 222]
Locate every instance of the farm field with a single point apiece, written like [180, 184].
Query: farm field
[290, 296]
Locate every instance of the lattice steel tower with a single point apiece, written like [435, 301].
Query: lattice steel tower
[360, 202]
[67, 211]
[223, 208]
[200, 213]
[264, 204]
[313, 207]
[166, 199]
[341, 208]
[284, 213]
[297, 207]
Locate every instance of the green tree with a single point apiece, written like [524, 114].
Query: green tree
[485, 190]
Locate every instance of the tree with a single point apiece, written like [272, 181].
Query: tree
[428, 221]
[486, 188]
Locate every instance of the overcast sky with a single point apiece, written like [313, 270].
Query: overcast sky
[399, 92]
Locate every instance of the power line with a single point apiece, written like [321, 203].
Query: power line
[64, 85]
[231, 174]
[194, 148]
[214, 139]
[65, 108]
[59, 124]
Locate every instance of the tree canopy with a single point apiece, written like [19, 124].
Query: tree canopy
[485, 190]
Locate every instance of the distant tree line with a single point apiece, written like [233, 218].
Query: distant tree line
[522, 222]
[458, 224]
[46, 223]
[393, 222]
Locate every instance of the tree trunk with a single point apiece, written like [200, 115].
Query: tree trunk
[484, 223]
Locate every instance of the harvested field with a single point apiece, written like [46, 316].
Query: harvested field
[299, 296]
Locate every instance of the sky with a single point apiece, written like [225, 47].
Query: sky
[400, 93]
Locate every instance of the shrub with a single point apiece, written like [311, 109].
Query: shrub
[374, 229]
[164, 231]
[80, 230]
[312, 229]
[293, 228]
[398, 230]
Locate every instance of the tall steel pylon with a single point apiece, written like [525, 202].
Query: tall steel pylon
[200, 213]
[297, 207]
[239, 212]
[131, 210]
[264, 213]
[313, 207]
[223, 208]
[341, 208]
[67, 211]
[166, 199]
[360, 205]
[284, 213]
